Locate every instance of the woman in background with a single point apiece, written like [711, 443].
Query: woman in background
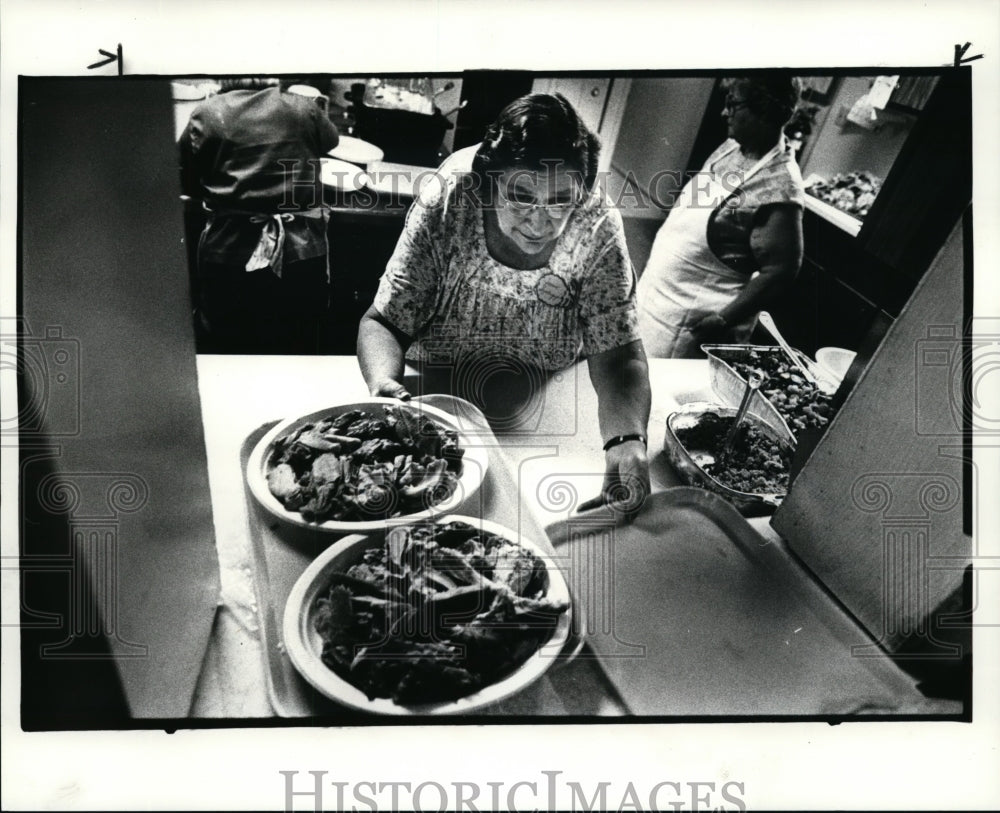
[734, 239]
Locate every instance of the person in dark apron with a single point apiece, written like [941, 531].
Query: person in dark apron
[251, 155]
[734, 239]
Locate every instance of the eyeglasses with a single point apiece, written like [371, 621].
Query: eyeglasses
[523, 204]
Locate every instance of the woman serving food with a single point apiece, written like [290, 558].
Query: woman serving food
[734, 239]
[515, 252]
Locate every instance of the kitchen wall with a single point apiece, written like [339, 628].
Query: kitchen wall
[588, 95]
[658, 128]
[837, 145]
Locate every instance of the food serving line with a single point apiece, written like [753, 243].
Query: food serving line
[689, 611]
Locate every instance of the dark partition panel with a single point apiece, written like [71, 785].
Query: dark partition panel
[118, 557]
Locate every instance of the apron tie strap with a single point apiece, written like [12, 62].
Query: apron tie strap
[270, 249]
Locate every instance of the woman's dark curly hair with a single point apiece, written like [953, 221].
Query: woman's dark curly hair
[771, 96]
[534, 132]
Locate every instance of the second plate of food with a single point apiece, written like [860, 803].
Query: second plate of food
[441, 617]
[755, 474]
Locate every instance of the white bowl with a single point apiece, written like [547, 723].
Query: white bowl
[836, 361]
[475, 462]
[339, 174]
[356, 151]
[304, 644]
[305, 90]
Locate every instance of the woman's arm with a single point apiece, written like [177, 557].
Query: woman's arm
[405, 298]
[381, 349]
[617, 362]
[621, 379]
[776, 243]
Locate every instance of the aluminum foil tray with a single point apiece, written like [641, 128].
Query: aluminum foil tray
[728, 385]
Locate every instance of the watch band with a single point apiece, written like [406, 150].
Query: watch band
[619, 439]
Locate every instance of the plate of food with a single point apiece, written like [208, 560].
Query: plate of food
[444, 616]
[351, 468]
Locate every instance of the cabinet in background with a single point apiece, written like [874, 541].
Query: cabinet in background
[600, 102]
[361, 243]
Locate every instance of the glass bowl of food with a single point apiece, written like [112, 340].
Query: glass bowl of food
[753, 475]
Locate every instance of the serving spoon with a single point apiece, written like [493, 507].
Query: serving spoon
[754, 380]
[822, 383]
[704, 459]
[765, 319]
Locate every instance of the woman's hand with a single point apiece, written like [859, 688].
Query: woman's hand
[389, 388]
[626, 479]
[709, 327]
[621, 380]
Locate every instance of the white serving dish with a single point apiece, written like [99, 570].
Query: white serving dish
[356, 151]
[835, 361]
[728, 385]
[475, 463]
[339, 174]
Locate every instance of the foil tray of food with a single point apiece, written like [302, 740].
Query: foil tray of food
[753, 475]
[786, 401]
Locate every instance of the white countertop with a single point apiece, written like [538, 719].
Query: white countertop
[554, 451]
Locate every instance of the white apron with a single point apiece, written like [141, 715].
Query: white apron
[683, 280]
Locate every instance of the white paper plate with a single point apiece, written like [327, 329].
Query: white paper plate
[475, 462]
[339, 174]
[402, 180]
[305, 90]
[305, 646]
[356, 151]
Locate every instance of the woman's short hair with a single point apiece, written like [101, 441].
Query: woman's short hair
[771, 96]
[536, 132]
